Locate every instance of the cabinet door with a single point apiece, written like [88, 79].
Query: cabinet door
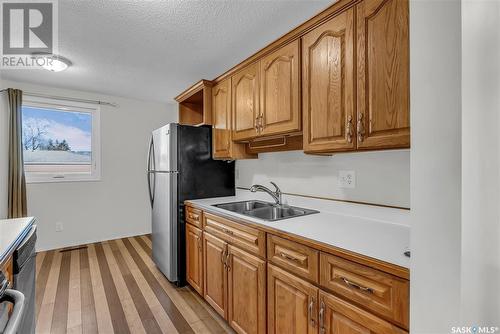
[246, 292]
[292, 303]
[338, 316]
[221, 107]
[383, 74]
[223, 146]
[329, 85]
[245, 91]
[215, 252]
[279, 97]
[194, 258]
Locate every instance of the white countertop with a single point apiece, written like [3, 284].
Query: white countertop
[12, 231]
[377, 232]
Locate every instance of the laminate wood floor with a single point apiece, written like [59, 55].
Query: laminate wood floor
[114, 287]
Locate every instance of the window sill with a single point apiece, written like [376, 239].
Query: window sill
[49, 179]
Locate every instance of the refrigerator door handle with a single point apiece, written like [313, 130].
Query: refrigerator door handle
[151, 154]
[149, 173]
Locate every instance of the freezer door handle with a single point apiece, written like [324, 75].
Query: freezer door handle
[149, 174]
[151, 154]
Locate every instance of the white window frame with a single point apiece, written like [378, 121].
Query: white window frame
[64, 105]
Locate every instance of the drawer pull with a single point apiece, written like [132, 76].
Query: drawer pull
[289, 257]
[227, 231]
[356, 286]
[195, 217]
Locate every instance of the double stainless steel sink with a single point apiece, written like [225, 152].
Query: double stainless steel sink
[264, 210]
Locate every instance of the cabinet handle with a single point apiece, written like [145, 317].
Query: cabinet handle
[257, 125]
[288, 257]
[191, 216]
[349, 129]
[227, 231]
[227, 262]
[361, 128]
[356, 286]
[262, 124]
[223, 258]
[200, 246]
[322, 318]
[310, 312]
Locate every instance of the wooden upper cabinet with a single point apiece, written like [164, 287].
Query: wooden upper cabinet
[245, 102]
[246, 292]
[195, 106]
[223, 146]
[194, 257]
[221, 108]
[383, 74]
[280, 91]
[338, 316]
[329, 85]
[292, 303]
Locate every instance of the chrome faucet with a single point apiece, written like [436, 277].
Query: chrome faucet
[276, 195]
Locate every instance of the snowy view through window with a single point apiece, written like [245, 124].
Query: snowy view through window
[57, 141]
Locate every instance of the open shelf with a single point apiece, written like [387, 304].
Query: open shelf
[195, 104]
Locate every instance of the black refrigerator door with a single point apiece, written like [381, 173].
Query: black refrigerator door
[199, 177]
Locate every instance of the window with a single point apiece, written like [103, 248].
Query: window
[60, 140]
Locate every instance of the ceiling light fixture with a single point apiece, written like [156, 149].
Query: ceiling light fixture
[55, 63]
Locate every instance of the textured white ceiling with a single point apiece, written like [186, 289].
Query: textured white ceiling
[155, 49]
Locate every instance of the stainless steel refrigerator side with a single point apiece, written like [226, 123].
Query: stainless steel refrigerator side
[164, 215]
[164, 228]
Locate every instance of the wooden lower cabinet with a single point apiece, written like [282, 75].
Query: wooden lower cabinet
[260, 296]
[215, 292]
[235, 285]
[292, 303]
[246, 292]
[338, 316]
[194, 257]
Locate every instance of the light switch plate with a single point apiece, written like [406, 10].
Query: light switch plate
[59, 227]
[347, 179]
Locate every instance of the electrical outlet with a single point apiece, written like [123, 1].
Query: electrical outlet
[236, 173]
[59, 227]
[347, 179]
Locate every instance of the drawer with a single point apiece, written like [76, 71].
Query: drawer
[244, 237]
[383, 294]
[193, 216]
[295, 257]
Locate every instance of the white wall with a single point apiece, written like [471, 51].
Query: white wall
[116, 206]
[435, 74]
[381, 177]
[480, 163]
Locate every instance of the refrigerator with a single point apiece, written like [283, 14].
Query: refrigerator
[180, 167]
